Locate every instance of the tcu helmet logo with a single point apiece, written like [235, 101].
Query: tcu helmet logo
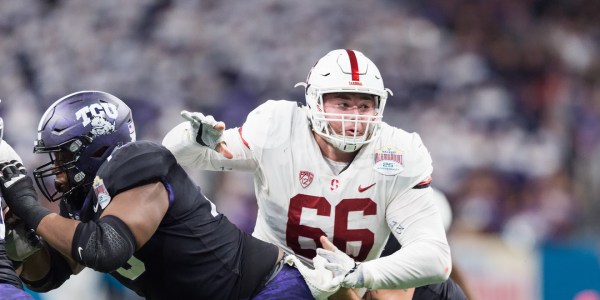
[101, 126]
[306, 178]
[97, 115]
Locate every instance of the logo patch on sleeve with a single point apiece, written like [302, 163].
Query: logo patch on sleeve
[388, 161]
[101, 193]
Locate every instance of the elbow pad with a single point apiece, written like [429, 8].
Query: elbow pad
[104, 246]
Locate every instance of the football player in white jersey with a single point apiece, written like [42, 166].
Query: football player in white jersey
[13, 240]
[332, 168]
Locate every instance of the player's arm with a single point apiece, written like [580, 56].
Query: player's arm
[224, 150]
[425, 254]
[141, 208]
[47, 269]
[104, 245]
[203, 142]
[405, 294]
[126, 224]
[423, 259]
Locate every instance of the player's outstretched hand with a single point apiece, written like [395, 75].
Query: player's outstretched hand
[321, 281]
[19, 194]
[209, 132]
[340, 264]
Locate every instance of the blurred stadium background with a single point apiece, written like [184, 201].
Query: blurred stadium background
[505, 94]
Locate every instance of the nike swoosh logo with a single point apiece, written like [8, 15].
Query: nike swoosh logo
[96, 207]
[79, 250]
[362, 189]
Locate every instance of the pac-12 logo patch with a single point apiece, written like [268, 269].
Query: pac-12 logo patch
[101, 193]
[306, 178]
[388, 161]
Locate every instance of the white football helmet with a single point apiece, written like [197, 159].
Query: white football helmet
[347, 71]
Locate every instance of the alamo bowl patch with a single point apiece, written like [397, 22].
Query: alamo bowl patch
[388, 161]
[101, 193]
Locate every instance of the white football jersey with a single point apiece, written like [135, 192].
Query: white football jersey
[7, 153]
[300, 198]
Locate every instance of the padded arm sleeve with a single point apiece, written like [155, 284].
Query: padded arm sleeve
[105, 245]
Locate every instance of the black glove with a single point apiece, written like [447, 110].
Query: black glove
[19, 194]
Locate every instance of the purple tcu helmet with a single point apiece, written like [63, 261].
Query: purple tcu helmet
[86, 127]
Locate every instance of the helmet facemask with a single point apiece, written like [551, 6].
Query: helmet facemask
[78, 181]
[322, 124]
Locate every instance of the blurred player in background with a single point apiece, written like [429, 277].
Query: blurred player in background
[333, 168]
[127, 208]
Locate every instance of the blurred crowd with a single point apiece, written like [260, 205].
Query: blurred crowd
[505, 93]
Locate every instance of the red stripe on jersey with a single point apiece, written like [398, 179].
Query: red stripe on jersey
[353, 65]
[243, 140]
[425, 182]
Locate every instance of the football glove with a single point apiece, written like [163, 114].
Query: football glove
[21, 243]
[19, 194]
[343, 266]
[321, 282]
[204, 129]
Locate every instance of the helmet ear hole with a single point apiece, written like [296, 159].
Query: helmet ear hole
[100, 152]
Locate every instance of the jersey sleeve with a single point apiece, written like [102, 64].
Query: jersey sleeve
[268, 126]
[135, 164]
[425, 254]
[181, 142]
[418, 162]
[7, 153]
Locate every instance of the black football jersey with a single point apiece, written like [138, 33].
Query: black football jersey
[196, 252]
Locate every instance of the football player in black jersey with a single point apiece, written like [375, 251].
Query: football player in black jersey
[127, 208]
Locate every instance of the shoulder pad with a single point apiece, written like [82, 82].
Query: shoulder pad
[270, 124]
[417, 159]
[135, 164]
[405, 154]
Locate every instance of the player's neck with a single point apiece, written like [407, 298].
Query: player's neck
[332, 152]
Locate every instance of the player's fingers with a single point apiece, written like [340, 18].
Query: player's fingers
[210, 120]
[219, 126]
[224, 150]
[187, 115]
[328, 255]
[327, 245]
[319, 262]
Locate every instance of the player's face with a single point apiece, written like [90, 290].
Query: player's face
[61, 182]
[348, 107]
